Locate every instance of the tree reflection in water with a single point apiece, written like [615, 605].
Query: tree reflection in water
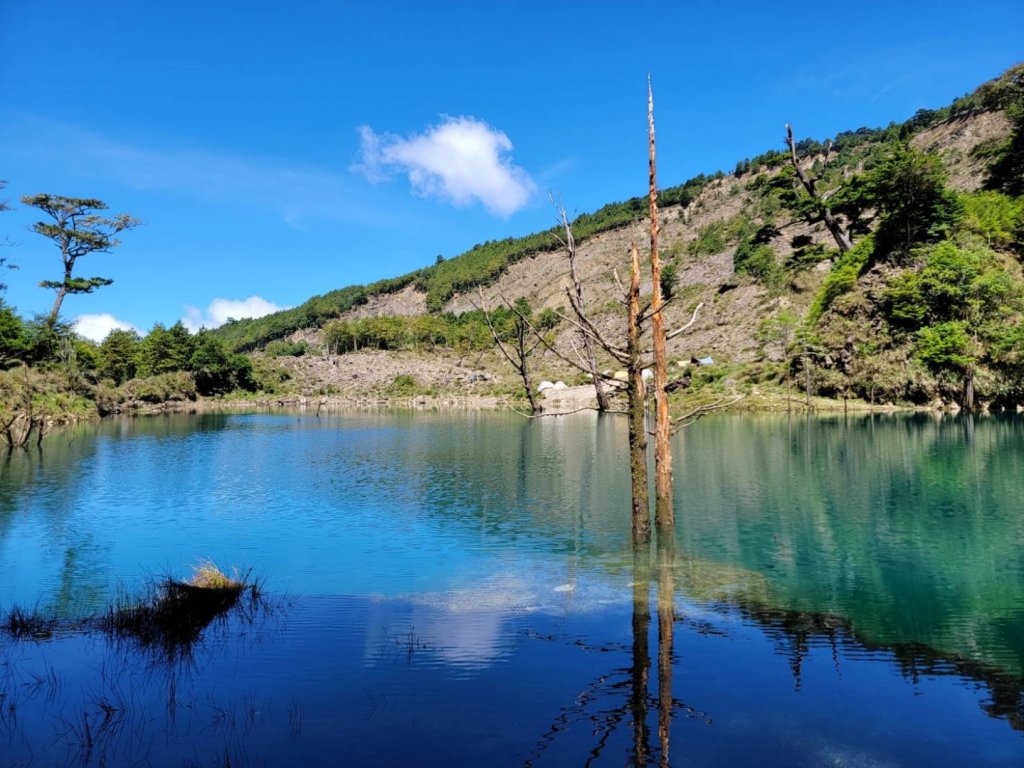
[633, 694]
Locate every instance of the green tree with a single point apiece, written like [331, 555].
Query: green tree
[909, 189]
[775, 334]
[669, 278]
[119, 354]
[77, 231]
[1007, 172]
[165, 350]
[216, 371]
[46, 339]
[210, 366]
[946, 345]
[959, 305]
[996, 217]
[14, 343]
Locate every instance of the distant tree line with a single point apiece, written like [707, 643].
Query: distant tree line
[464, 332]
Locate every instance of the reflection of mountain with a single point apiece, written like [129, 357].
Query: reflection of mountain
[468, 678]
[909, 527]
[906, 525]
[797, 632]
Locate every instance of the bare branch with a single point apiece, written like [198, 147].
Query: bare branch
[693, 319]
[622, 288]
[558, 353]
[647, 314]
[553, 414]
[490, 326]
[703, 410]
[584, 323]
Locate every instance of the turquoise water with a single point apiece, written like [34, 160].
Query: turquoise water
[460, 589]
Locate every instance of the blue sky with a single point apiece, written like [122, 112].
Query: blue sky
[279, 150]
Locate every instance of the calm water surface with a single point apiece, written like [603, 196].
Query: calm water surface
[460, 589]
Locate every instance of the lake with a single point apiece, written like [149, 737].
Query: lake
[459, 589]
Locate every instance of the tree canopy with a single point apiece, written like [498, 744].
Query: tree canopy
[76, 230]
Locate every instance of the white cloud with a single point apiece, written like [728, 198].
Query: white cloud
[96, 327]
[221, 310]
[461, 160]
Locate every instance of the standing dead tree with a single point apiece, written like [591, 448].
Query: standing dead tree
[569, 244]
[635, 358]
[839, 232]
[664, 515]
[637, 397]
[641, 319]
[517, 345]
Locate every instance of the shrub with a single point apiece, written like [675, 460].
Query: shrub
[164, 387]
[285, 348]
[843, 277]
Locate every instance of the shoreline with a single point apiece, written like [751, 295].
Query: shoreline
[751, 404]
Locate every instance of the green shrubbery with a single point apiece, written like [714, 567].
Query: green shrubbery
[286, 349]
[163, 387]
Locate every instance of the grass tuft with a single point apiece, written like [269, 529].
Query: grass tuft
[28, 625]
[207, 575]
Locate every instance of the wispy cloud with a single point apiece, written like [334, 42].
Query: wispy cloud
[96, 327]
[220, 311]
[294, 192]
[461, 160]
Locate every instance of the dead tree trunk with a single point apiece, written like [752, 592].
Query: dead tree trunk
[641, 669]
[663, 514]
[603, 401]
[839, 232]
[969, 390]
[637, 396]
[666, 642]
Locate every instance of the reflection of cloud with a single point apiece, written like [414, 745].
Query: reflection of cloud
[465, 626]
[468, 639]
[96, 327]
[460, 160]
[293, 192]
[221, 310]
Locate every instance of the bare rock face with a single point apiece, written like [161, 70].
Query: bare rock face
[955, 141]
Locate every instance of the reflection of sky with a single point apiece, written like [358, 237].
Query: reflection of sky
[357, 505]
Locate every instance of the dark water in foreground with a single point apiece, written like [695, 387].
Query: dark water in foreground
[459, 590]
